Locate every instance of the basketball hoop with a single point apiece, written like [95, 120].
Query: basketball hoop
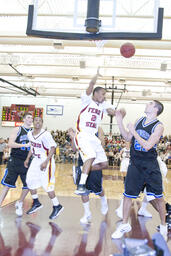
[99, 43]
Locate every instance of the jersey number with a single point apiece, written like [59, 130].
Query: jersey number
[24, 148]
[93, 118]
[138, 147]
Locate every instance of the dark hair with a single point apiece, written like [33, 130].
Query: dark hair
[97, 89]
[159, 106]
[27, 114]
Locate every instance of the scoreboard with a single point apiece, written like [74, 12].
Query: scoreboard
[13, 116]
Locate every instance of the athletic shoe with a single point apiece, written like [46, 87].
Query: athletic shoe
[76, 172]
[104, 208]
[81, 189]
[86, 219]
[119, 213]
[164, 231]
[56, 211]
[144, 213]
[35, 206]
[19, 208]
[121, 230]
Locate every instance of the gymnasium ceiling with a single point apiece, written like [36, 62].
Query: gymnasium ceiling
[63, 68]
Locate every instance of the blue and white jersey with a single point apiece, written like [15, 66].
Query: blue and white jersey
[144, 130]
[22, 138]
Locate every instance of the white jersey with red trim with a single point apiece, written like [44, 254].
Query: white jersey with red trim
[41, 143]
[91, 114]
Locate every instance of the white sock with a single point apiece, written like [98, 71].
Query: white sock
[86, 208]
[35, 196]
[144, 204]
[103, 200]
[55, 201]
[83, 178]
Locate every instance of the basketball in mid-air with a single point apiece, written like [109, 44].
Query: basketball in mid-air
[127, 50]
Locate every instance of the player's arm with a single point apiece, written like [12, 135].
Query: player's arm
[12, 138]
[72, 134]
[92, 83]
[153, 139]
[26, 162]
[127, 135]
[45, 163]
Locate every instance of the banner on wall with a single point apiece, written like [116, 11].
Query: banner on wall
[54, 110]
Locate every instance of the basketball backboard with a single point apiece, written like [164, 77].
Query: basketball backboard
[118, 19]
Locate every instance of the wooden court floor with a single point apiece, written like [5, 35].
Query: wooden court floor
[34, 235]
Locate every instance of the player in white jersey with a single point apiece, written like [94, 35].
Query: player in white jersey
[125, 155]
[41, 172]
[89, 146]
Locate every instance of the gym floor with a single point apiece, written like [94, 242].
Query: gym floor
[37, 235]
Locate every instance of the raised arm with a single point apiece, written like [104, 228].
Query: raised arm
[92, 83]
[72, 134]
[153, 139]
[12, 138]
[127, 135]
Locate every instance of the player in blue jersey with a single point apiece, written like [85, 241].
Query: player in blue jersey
[19, 144]
[143, 167]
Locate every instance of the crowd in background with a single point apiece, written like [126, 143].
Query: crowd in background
[113, 146]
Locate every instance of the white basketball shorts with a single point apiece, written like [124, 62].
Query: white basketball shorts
[89, 147]
[37, 178]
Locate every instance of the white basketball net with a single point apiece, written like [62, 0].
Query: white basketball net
[100, 43]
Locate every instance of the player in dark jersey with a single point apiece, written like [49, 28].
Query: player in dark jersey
[143, 167]
[93, 183]
[19, 144]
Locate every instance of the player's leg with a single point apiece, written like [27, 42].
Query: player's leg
[49, 186]
[133, 184]
[104, 204]
[19, 203]
[123, 170]
[99, 166]
[86, 219]
[143, 209]
[100, 161]
[87, 145]
[25, 190]
[33, 182]
[119, 210]
[57, 207]
[36, 205]
[9, 179]
[155, 188]
[81, 187]
[94, 184]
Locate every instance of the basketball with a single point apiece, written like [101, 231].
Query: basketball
[127, 50]
[123, 112]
